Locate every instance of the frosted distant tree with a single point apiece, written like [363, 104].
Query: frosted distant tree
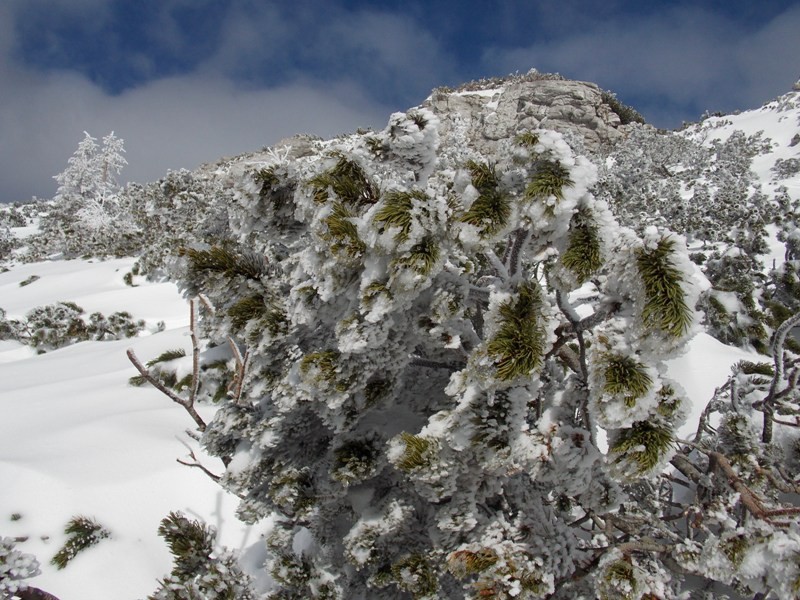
[86, 216]
[450, 383]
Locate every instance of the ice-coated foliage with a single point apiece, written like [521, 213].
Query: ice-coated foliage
[15, 568]
[200, 572]
[423, 389]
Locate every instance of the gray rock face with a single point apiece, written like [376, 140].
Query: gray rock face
[490, 115]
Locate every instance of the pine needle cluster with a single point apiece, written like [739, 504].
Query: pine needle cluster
[418, 452]
[343, 233]
[196, 572]
[414, 574]
[527, 140]
[643, 444]
[396, 212]
[256, 308]
[618, 582]
[267, 179]
[354, 461]
[582, 255]
[82, 533]
[463, 563]
[422, 257]
[627, 377]
[347, 181]
[665, 306]
[190, 543]
[223, 260]
[324, 368]
[518, 345]
[167, 356]
[491, 210]
[549, 179]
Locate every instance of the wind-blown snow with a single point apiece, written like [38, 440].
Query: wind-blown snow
[76, 439]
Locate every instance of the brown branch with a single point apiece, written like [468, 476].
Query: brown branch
[237, 385]
[196, 464]
[186, 403]
[749, 500]
[193, 316]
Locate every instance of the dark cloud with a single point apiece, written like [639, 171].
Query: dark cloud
[677, 62]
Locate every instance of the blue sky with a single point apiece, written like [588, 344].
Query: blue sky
[188, 81]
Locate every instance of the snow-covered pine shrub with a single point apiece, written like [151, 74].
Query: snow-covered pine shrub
[784, 168]
[82, 533]
[627, 114]
[706, 192]
[181, 209]
[433, 344]
[62, 324]
[54, 326]
[7, 241]
[15, 568]
[199, 571]
[116, 326]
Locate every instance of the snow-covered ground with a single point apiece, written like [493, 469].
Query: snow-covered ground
[76, 439]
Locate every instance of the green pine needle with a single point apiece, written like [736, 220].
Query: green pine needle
[343, 233]
[644, 444]
[417, 453]
[463, 563]
[82, 533]
[627, 377]
[353, 461]
[527, 139]
[550, 179]
[247, 309]
[190, 543]
[519, 343]
[619, 582]
[665, 306]
[223, 260]
[421, 257]
[166, 356]
[414, 574]
[582, 255]
[396, 212]
[348, 182]
[491, 210]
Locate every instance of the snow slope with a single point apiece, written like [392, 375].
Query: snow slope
[76, 439]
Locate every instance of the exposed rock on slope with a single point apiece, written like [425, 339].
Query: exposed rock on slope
[489, 115]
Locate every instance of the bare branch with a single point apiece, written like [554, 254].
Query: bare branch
[187, 404]
[196, 464]
[237, 385]
[193, 317]
[778, 349]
